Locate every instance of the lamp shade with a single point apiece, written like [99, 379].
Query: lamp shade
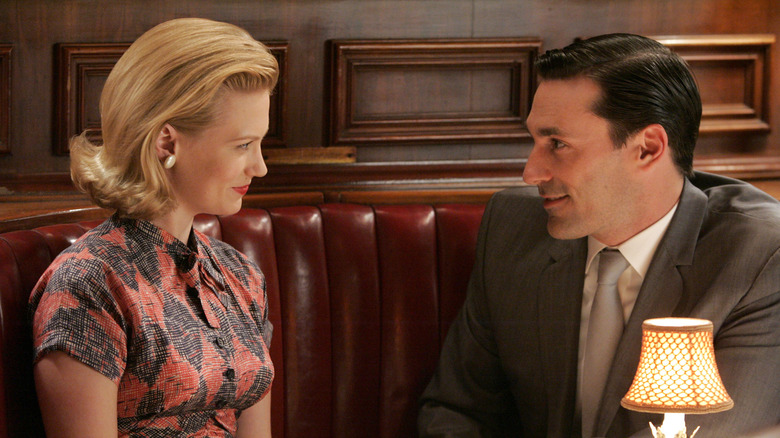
[677, 371]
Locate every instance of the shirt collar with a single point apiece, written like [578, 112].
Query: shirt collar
[638, 250]
[145, 233]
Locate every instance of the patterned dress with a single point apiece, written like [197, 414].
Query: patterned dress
[182, 330]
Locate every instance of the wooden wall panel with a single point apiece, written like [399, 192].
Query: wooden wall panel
[733, 73]
[434, 91]
[741, 133]
[82, 70]
[275, 137]
[5, 98]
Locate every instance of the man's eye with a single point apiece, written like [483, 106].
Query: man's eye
[556, 144]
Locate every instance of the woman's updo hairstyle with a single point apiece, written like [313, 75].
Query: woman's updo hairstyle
[174, 73]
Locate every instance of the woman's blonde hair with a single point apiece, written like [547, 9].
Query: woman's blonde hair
[174, 73]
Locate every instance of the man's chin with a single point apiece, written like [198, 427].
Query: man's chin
[563, 230]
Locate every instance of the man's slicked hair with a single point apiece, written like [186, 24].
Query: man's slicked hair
[642, 83]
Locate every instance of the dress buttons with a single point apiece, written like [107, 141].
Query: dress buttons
[230, 374]
[219, 342]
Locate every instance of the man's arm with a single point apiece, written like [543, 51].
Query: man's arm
[747, 351]
[468, 395]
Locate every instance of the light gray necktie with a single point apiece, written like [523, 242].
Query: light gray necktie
[604, 331]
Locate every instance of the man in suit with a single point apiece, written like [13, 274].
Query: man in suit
[614, 121]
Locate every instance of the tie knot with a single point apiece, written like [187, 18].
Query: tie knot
[611, 265]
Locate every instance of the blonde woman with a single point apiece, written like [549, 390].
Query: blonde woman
[144, 326]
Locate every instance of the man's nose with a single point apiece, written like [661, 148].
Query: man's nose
[536, 167]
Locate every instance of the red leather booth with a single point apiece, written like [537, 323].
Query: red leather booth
[361, 298]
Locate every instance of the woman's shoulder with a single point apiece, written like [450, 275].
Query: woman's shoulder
[100, 253]
[105, 243]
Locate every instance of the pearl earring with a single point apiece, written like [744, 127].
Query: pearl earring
[169, 162]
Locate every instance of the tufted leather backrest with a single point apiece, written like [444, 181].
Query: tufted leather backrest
[360, 296]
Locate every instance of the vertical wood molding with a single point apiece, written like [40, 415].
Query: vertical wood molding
[276, 138]
[81, 72]
[733, 73]
[5, 98]
[425, 91]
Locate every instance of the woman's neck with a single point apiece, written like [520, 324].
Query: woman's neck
[177, 223]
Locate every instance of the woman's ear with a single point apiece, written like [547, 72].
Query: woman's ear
[165, 145]
[654, 144]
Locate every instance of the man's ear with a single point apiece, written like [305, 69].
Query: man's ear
[653, 143]
[167, 139]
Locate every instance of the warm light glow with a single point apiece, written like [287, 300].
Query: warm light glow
[677, 371]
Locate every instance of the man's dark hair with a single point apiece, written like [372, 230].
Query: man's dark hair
[642, 82]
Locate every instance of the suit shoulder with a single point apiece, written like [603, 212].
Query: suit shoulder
[519, 209]
[518, 194]
[728, 195]
[743, 199]
[743, 216]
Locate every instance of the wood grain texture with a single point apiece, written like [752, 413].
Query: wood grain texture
[741, 136]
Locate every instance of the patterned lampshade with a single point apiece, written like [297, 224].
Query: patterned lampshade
[677, 371]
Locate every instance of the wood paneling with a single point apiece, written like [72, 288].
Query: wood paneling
[335, 154]
[82, 70]
[275, 138]
[735, 139]
[5, 98]
[732, 72]
[434, 91]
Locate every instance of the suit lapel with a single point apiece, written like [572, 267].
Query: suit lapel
[560, 302]
[661, 290]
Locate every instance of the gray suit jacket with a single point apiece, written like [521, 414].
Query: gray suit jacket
[509, 364]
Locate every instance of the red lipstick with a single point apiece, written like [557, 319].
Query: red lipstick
[241, 190]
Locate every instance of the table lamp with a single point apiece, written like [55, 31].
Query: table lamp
[677, 374]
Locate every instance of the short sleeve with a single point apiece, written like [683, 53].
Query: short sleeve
[267, 327]
[74, 311]
[259, 307]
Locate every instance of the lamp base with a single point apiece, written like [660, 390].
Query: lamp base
[672, 427]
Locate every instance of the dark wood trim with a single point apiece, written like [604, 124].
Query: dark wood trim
[5, 98]
[277, 136]
[35, 184]
[746, 167]
[349, 60]
[383, 176]
[444, 196]
[332, 154]
[438, 175]
[353, 183]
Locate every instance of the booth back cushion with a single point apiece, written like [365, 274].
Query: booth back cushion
[360, 296]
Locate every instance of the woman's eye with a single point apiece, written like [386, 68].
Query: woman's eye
[244, 146]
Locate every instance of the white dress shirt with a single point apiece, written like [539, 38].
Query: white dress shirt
[638, 251]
